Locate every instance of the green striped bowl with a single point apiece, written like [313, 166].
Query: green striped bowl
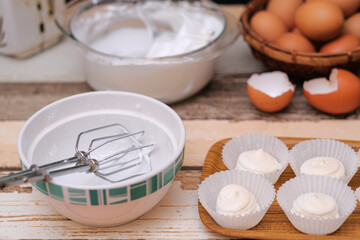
[112, 203]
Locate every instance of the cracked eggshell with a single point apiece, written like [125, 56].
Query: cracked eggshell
[271, 91]
[338, 95]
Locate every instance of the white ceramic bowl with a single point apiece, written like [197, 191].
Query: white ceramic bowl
[168, 78]
[50, 135]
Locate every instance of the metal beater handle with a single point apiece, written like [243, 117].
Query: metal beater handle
[37, 173]
[83, 162]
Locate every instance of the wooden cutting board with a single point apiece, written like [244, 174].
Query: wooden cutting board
[275, 224]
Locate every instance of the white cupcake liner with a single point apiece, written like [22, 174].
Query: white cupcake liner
[357, 193]
[324, 148]
[254, 141]
[333, 187]
[258, 185]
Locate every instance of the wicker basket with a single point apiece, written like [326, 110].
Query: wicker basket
[301, 66]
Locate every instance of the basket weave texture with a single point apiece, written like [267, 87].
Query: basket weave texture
[300, 66]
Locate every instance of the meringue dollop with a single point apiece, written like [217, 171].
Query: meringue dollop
[315, 205]
[235, 200]
[324, 166]
[257, 161]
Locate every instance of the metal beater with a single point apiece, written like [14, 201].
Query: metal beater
[130, 153]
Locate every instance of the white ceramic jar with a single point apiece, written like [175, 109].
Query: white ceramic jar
[27, 26]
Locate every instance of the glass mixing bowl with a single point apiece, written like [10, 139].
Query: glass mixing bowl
[162, 49]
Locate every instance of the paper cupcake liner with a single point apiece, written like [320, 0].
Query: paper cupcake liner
[258, 185]
[324, 148]
[357, 193]
[333, 187]
[253, 141]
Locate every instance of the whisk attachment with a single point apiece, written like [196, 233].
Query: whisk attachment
[112, 157]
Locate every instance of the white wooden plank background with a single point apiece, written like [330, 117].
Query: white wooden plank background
[202, 134]
[27, 215]
[24, 214]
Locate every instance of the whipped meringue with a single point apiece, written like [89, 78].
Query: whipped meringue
[315, 205]
[324, 166]
[257, 161]
[235, 200]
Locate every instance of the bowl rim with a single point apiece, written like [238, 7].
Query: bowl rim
[248, 32]
[179, 151]
[207, 5]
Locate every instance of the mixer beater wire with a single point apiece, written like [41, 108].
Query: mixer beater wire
[128, 154]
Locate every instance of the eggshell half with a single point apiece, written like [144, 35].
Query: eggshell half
[270, 92]
[338, 95]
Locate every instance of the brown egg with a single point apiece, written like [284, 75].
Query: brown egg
[338, 95]
[352, 25]
[285, 10]
[340, 45]
[270, 91]
[295, 42]
[319, 20]
[267, 25]
[347, 6]
[296, 31]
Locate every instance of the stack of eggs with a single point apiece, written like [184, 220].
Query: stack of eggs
[306, 39]
[324, 26]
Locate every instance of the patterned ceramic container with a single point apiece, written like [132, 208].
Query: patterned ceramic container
[50, 135]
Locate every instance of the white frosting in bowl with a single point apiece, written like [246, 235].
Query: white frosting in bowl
[316, 205]
[324, 166]
[257, 161]
[235, 200]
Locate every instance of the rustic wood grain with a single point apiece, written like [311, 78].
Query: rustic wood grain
[21, 100]
[224, 98]
[275, 224]
[221, 110]
[27, 215]
[202, 134]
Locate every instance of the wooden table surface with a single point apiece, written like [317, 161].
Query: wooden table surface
[221, 110]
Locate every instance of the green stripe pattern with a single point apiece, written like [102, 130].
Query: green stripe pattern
[56, 191]
[77, 196]
[112, 196]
